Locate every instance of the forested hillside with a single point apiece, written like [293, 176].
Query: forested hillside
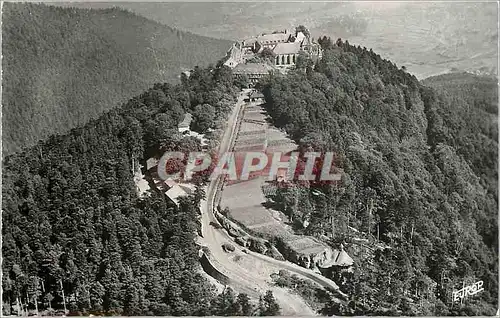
[73, 222]
[420, 179]
[64, 66]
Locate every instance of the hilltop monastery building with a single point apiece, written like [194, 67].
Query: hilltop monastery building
[285, 46]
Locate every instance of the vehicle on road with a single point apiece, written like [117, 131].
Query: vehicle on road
[228, 247]
[216, 225]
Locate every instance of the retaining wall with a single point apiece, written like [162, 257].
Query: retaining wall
[212, 271]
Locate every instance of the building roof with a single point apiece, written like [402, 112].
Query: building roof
[273, 38]
[187, 187]
[256, 94]
[287, 48]
[252, 68]
[186, 121]
[305, 245]
[151, 163]
[170, 182]
[233, 51]
[299, 36]
[249, 42]
[339, 258]
[174, 193]
[306, 41]
[343, 259]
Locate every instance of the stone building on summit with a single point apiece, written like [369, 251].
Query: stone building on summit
[285, 47]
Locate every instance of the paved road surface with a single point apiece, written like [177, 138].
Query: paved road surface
[252, 281]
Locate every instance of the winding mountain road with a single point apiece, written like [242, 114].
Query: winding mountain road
[249, 272]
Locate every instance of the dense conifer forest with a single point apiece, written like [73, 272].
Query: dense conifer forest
[65, 66]
[74, 223]
[419, 183]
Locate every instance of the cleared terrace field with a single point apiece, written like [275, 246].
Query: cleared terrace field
[245, 199]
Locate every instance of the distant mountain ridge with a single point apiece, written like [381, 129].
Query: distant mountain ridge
[428, 38]
[64, 66]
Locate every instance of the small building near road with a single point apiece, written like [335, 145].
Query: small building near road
[151, 163]
[253, 71]
[175, 192]
[338, 265]
[185, 74]
[173, 189]
[285, 46]
[183, 128]
[256, 96]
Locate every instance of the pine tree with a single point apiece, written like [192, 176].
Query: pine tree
[245, 305]
[268, 305]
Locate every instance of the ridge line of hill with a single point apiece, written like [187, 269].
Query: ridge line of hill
[65, 66]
